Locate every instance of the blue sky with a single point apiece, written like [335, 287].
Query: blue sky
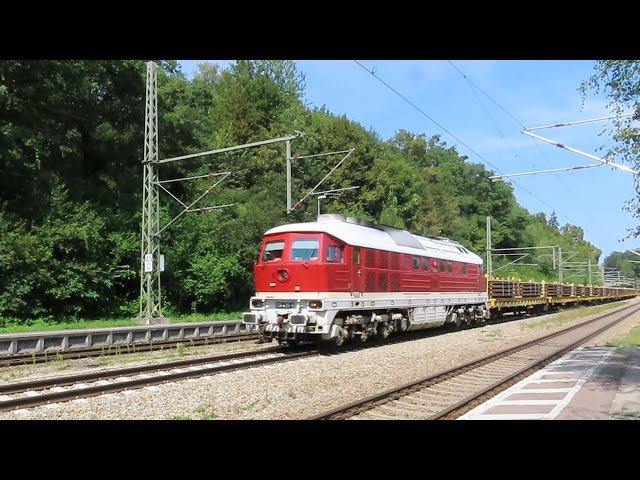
[535, 92]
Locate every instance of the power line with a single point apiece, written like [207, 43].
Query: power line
[475, 94]
[442, 127]
[513, 117]
[485, 93]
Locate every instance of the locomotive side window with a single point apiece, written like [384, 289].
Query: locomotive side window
[334, 254]
[464, 268]
[305, 250]
[273, 250]
[425, 264]
[449, 266]
[442, 266]
[435, 265]
[356, 256]
[416, 263]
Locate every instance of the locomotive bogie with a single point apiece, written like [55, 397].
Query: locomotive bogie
[362, 317]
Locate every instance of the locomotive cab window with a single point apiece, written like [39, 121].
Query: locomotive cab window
[273, 251]
[334, 254]
[306, 249]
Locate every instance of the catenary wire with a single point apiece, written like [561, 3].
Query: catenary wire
[513, 117]
[442, 127]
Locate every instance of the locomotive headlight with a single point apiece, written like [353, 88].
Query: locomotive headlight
[257, 303]
[315, 304]
[283, 275]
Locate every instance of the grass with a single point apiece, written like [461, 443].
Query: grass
[202, 410]
[626, 414]
[205, 412]
[569, 316]
[629, 339]
[10, 325]
[249, 406]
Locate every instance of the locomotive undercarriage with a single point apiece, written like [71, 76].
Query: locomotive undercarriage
[363, 325]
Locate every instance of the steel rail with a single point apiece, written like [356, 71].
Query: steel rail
[506, 382]
[95, 390]
[60, 381]
[391, 394]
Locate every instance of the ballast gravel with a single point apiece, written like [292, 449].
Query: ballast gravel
[55, 368]
[301, 388]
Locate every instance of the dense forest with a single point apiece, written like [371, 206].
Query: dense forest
[71, 144]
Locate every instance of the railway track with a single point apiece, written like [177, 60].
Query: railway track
[64, 388]
[70, 387]
[451, 393]
[43, 357]
[156, 345]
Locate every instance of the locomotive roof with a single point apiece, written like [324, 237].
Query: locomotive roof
[383, 237]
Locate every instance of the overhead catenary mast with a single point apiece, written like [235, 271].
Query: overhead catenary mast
[150, 301]
[151, 261]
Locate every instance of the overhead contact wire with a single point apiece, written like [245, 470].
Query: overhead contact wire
[446, 130]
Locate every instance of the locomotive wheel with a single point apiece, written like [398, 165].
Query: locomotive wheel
[385, 331]
[455, 320]
[382, 333]
[402, 326]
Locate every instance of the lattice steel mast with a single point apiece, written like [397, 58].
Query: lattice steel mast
[151, 262]
[150, 300]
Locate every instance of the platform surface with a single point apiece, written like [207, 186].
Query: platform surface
[589, 383]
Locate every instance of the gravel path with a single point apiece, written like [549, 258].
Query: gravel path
[301, 388]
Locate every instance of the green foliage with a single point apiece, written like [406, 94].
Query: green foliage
[213, 279]
[71, 138]
[64, 267]
[624, 262]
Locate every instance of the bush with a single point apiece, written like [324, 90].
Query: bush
[67, 265]
[215, 281]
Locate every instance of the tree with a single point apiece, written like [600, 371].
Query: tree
[553, 220]
[71, 138]
[624, 262]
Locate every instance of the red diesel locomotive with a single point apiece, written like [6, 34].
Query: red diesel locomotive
[341, 278]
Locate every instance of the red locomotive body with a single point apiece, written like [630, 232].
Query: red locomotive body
[317, 262]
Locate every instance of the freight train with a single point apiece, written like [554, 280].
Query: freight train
[341, 278]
